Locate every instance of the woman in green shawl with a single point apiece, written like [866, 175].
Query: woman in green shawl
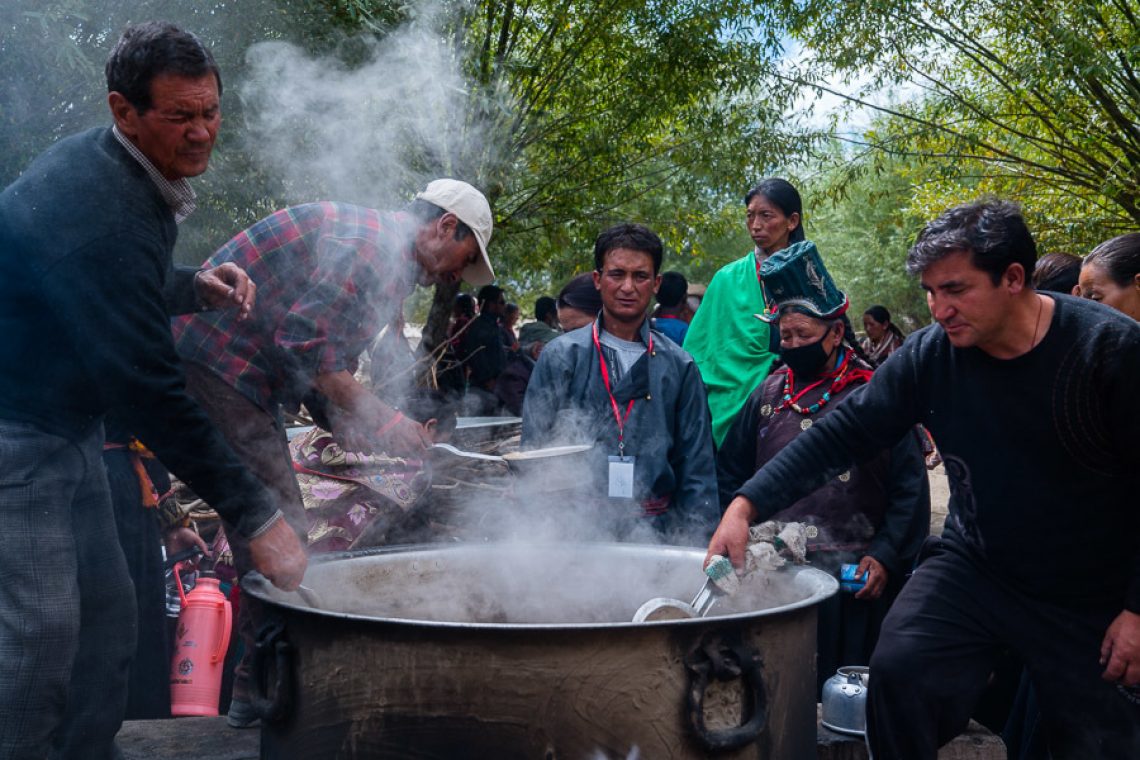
[733, 349]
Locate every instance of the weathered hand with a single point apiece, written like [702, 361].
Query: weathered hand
[731, 536]
[225, 286]
[351, 436]
[1120, 650]
[277, 554]
[179, 539]
[405, 438]
[876, 578]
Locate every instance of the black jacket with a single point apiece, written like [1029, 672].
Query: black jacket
[483, 351]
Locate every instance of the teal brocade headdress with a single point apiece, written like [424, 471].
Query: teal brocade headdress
[795, 277]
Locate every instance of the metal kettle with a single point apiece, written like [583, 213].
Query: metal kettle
[844, 700]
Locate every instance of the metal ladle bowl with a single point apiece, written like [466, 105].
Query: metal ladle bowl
[663, 608]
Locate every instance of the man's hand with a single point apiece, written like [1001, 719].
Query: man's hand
[277, 554]
[405, 438]
[350, 435]
[731, 536]
[179, 539]
[226, 286]
[361, 422]
[876, 578]
[1120, 650]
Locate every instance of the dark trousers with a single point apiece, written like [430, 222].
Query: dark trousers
[67, 607]
[941, 640]
[259, 441]
[848, 628]
[140, 536]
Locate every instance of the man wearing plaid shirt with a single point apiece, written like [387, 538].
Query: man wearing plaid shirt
[329, 277]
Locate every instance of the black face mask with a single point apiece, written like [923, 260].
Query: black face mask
[806, 360]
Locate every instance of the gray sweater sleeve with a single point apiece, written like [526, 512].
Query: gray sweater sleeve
[179, 293]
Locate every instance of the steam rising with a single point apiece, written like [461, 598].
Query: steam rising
[557, 500]
[369, 133]
[535, 583]
[536, 551]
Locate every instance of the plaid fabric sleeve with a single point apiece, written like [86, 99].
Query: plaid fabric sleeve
[328, 324]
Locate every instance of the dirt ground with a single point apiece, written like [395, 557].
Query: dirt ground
[939, 497]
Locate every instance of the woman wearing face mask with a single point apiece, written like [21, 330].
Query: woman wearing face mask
[876, 514]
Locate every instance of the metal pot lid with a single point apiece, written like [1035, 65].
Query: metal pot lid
[468, 423]
[554, 451]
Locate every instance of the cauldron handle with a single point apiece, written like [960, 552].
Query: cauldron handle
[726, 657]
[271, 707]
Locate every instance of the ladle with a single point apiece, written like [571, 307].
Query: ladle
[667, 608]
[548, 462]
[766, 542]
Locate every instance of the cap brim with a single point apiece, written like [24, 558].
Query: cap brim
[480, 273]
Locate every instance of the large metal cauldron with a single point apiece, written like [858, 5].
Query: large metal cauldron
[504, 650]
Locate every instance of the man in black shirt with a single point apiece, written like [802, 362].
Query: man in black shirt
[483, 351]
[86, 288]
[1032, 400]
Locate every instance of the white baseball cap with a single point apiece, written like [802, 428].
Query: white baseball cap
[471, 208]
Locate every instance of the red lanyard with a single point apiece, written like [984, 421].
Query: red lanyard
[618, 417]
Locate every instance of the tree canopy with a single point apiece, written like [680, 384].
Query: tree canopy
[594, 113]
[52, 85]
[572, 116]
[863, 227]
[1033, 101]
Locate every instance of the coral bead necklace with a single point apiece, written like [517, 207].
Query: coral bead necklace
[791, 397]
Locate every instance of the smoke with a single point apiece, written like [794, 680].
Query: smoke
[368, 124]
[369, 132]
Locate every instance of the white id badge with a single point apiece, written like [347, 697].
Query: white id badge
[621, 477]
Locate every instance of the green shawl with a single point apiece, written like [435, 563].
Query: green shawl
[729, 344]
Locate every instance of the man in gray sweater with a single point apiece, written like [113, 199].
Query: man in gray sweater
[86, 289]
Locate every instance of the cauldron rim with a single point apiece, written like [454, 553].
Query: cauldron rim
[255, 584]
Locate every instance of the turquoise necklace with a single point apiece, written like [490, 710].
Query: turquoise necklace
[791, 397]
